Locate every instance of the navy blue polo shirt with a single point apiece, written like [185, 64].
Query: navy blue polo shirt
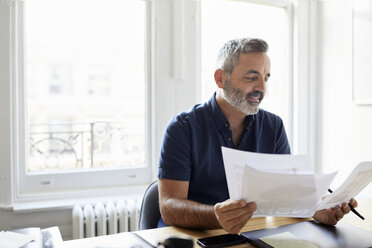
[191, 147]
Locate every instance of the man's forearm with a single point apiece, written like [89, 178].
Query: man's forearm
[186, 213]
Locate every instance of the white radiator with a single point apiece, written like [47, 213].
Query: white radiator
[102, 219]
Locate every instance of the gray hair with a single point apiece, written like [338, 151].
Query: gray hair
[229, 54]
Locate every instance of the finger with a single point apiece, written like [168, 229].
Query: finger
[230, 205]
[345, 208]
[330, 217]
[237, 227]
[238, 224]
[233, 214]
[234, 211]
[234, 225]
[353, 203]
[252, 206]
[240, 218]
[338, 213]
[227, 220]
[238, 212]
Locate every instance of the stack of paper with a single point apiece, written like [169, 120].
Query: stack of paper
[284, 185]
[14, 240]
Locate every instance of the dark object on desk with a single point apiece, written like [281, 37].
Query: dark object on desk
[221, 240]
[351, 208]
[33, 231]
[174, 242]
[341, 235]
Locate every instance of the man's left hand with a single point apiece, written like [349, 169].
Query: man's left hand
[331, 216]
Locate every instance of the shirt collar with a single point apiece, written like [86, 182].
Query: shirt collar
[219, 117]
[249, 119]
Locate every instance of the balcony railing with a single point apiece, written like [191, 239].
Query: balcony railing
[84, 146]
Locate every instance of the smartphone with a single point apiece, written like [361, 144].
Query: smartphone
[221, 240]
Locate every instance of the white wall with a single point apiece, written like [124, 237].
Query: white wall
[5, 136]
[46, 218]
[345, 128]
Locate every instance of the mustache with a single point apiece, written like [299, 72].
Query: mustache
[256, 93]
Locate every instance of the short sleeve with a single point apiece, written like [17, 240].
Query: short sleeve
[282, 144]
[175, 154]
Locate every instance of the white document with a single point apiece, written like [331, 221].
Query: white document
[284, 185]
[358, 179]
[14, 240]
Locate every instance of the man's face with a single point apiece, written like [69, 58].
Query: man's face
[246, 87]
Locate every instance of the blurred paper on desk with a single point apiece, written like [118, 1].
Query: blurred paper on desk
[14, 240]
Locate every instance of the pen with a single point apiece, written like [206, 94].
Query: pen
[351, 208]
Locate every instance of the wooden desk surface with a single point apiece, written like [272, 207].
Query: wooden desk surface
[159, 234]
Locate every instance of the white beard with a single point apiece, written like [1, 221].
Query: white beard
[235, 97]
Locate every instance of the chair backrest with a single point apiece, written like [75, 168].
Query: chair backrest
[150, 212]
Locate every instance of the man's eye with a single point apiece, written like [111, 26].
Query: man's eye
[250, 78]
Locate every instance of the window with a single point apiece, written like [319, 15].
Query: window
[238, 19]
[90, 86]
[86, 91]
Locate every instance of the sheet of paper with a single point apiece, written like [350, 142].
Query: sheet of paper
[13, 240]
[268, 162]
[286, 240]
[284, 194]
[358, 179]
[276, 194]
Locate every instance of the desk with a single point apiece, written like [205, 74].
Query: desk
[155, 235]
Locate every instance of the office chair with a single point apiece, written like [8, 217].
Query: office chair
[150, 212]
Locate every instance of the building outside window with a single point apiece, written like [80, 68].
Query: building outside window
[85, 83]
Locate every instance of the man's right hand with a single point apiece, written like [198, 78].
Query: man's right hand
[233, 215]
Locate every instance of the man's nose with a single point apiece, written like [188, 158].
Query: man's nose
[260, 85]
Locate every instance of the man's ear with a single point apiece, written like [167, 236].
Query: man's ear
[219, 77]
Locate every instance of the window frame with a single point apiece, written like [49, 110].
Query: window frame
[52, 185]
[288, 6]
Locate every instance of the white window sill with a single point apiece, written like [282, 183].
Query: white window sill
[68, 199]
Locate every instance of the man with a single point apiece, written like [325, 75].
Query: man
[192, 183]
